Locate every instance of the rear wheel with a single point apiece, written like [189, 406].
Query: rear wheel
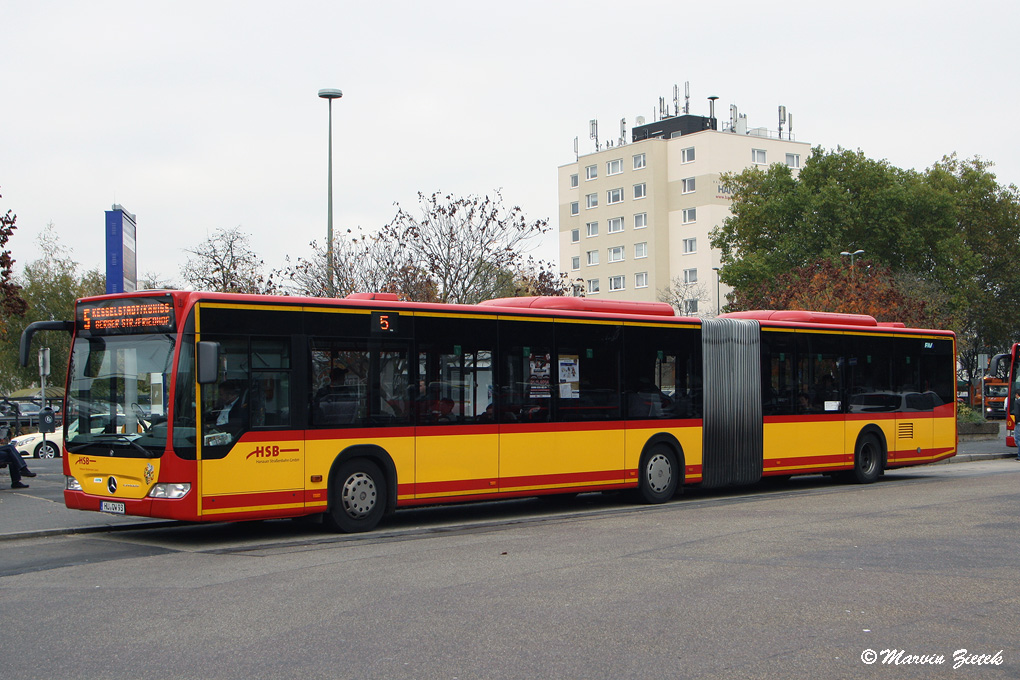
[358, 498]
[659, 475]
[867, 460]
[47, 450]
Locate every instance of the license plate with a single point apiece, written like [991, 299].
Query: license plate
[112, 506]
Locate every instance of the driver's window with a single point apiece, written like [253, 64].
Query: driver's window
[225, 403]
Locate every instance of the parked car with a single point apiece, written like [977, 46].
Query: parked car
[31, 445]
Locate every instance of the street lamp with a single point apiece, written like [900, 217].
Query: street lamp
[330, 94]
[852, 256]
[717, 301]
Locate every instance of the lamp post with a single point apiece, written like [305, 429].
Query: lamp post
[717, 301]
[330, 94]
[852, 255]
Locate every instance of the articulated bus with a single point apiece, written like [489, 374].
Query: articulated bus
[213, 407]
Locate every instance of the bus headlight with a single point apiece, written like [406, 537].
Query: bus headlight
[71, 484]
[170, 491]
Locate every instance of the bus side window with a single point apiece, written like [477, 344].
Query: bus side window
[269, 399]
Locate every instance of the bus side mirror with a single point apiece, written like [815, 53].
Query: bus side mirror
[208, 361]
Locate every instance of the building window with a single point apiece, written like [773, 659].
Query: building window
[640, 220]
[575, 262]
[614, 167]
[640, 191]
[641, 250]
[690, 307]
[575, 208]
[575, 235]
[615, 225]
[639, 161]
[573, 181]
[616, 282]
[688, 185]
[793, 160]
[593, 257]
[687, 155]
[593, 286]
[592, 229]
[690, 215]
[591, 201]
[641, 280]
[616, 254]
[690, 246]
[591, 172]
[758, 156]
[614, 196]
[690, 276]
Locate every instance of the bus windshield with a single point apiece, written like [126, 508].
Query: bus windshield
[116, 399]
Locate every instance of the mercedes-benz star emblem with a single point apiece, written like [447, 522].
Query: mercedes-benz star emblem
[111, 484]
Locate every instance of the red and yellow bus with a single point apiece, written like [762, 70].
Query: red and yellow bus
[210, 407]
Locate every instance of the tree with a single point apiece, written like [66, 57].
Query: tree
[359, 265]
[828, 285]
[947, 235]
[686, 298]
[50, 285]
[841, 200]
[225, 263]
[988, 216]
[466, 246]
[11, 302]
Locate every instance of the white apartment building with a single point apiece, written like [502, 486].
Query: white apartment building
[634, 217]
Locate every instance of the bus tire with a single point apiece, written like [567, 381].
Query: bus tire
[358, 497]
[867, 460]
[659, 475]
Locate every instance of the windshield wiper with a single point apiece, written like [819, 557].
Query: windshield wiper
[120, 438]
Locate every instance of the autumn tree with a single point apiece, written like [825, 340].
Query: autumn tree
[359, 265]
[225, 263]
[467, 246]
[50, 286]
[828, 285]
[685, 297]
[11, 302]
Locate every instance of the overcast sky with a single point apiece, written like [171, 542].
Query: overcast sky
[201, 115]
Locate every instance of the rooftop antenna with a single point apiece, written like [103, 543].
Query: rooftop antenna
[711, 111]
[782, 120]
[789, 128]
[576, 156]
[676, 100]
[687, 97]
[623, 131]
[594, 126]
[663, 111]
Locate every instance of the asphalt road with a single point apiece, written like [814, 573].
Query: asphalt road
[794, 581]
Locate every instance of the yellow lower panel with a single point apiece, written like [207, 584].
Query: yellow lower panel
[792, 446]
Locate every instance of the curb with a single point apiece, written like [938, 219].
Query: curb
[95, 529]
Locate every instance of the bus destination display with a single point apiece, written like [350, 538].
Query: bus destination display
[127, 315]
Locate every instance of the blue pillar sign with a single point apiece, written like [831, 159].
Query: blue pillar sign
[121, 259]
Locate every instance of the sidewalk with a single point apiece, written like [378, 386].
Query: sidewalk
[40, 511]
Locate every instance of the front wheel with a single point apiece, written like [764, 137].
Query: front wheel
[358, 497]
[659, 475]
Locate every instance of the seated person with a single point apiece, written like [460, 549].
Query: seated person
[10, 457]
[231, 413]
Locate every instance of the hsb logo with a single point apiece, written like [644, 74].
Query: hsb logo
[264, 452]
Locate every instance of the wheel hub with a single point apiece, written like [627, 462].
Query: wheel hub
[359, 495]
[660, 473]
